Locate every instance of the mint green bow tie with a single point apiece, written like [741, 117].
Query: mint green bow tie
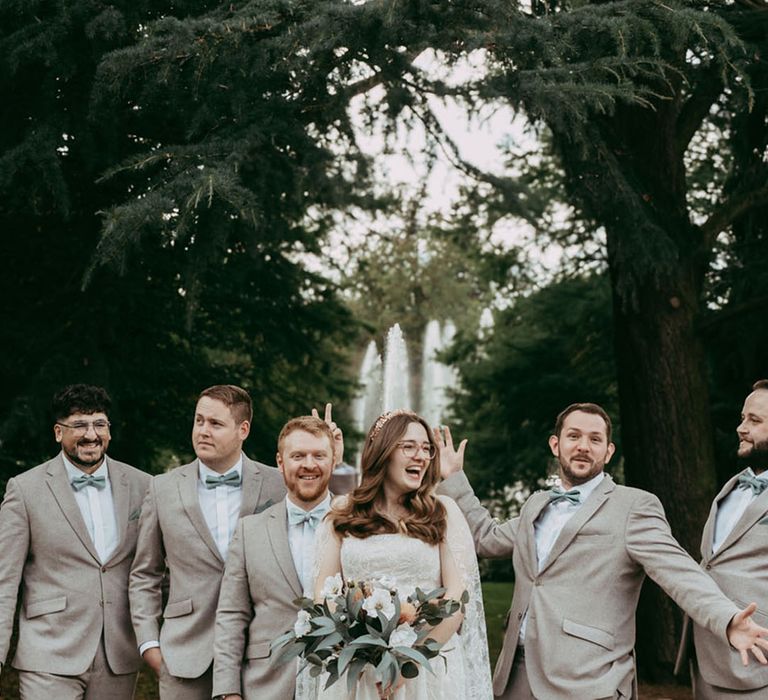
[747, 481]
[297, 516]
[80, 482]
[231, 479]
[557, 494]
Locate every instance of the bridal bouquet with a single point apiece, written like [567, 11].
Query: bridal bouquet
[368, 622]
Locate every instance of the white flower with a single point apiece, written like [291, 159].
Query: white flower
[332, 586]
[388, 583]
[403, 636]
[379, 601]
[302, 625]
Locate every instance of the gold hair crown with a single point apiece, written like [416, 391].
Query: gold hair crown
[384, 417]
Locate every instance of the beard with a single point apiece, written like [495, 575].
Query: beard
[86, 462]
[577, 479]
[756, 458]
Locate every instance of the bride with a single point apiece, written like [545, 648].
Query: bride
[394, 525]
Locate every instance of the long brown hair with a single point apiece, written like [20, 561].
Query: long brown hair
[361, 515]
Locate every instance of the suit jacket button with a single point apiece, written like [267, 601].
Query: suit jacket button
[103, 569]
[709, 566]
[519, 616]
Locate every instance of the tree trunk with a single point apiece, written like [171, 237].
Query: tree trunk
[666, 436]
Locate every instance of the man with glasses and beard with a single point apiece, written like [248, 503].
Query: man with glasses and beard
[734, 551]
[67, 536]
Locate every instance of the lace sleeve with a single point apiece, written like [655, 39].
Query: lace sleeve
[327, 551]
[474, 640]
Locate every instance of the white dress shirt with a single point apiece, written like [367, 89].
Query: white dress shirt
[301, 540]
[98, 510]
[220, 505]
[731, 508]
[550, 523]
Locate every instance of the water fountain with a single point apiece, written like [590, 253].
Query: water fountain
[397, 372]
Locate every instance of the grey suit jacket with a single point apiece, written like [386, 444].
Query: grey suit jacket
[256, 605]
[740, 569]
[69, 598]
[173, 534]
[581, 601]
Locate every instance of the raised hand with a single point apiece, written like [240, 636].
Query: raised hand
[451, 459]
[747, 636]
[338, 436]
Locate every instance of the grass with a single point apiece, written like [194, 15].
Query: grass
[497, 598]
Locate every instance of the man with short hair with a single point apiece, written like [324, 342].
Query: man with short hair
[580, 553]
[187, 521]
[269, 566]
[734, 551]
[67, 535]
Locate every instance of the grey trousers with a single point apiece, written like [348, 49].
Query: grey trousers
[175, 688]
[97, 683]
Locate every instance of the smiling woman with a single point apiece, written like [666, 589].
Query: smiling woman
[394, 527]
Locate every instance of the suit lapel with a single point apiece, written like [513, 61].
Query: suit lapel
[708, 534]
[121, 493]
[58, 483]
[251, 490]
[539, 501]
[753, 512]
[187, 481]
[593, 503]
[277, 531]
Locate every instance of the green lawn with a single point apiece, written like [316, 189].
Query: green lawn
[497, 597]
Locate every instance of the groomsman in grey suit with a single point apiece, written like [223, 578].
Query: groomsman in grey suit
[269, 566]
[734, 551]
[186, 524]
[67, 536]
[580, 554]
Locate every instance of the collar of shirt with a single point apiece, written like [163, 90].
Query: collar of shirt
[203, 471]
[325, 503]
[73, 472]
[584, 489]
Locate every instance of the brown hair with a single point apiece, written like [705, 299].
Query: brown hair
[235, 398]
[760, 384]
[592, 408]
[361, 516]
[309, 424]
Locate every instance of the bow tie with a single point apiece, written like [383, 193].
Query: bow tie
[557, 494]
[80, 482]
[747, 481]
[231, 479]
[298, 516]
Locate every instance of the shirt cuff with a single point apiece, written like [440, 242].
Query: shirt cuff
[148, 645]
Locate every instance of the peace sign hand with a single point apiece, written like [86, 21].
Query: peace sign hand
[338, 436]
[451, 459]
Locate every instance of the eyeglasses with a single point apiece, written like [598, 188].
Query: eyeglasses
[81, 427]
[411, 449]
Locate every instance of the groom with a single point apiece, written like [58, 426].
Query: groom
[734, 550]
[269, 566]
[580, 555]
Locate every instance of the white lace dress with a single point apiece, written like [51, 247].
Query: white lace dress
[465, 672]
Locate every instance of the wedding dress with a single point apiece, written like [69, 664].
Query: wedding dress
[463, 673]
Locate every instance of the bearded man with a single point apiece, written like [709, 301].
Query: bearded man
[734, 552]
[68, 531]
[581, 552]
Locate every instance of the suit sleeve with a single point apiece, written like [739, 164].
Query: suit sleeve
[493, 539]
[14, 546]
[147, 572]
[650, 543]
[233, 615]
